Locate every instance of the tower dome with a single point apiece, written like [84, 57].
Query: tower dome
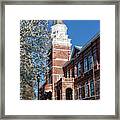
[59, 33]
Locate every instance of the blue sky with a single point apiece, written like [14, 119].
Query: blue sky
[81, 31]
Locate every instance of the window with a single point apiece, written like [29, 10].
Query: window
[83, 92]
[73, 72]
[90, 62]
[91, 87]
[65, 74]
[68, 73]
[76, 94]
[85, 65]
[86, 89]
[79, 69]
[80, 93]
[94, 57]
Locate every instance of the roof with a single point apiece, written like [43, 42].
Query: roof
[81, 49]
[78, 47]
[75, 49]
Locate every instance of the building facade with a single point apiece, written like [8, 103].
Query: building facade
[75, 74]
[84, 68]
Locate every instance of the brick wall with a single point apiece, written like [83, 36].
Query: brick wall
[61, 54]
[59, 63]
[57, 70]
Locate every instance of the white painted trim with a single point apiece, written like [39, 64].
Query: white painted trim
[61, 49]
[57, 66]
[57, 74]
[60, 59]
[62, 43]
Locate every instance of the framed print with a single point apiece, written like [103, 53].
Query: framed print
[60, 59]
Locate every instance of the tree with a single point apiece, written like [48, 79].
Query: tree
[35, 43]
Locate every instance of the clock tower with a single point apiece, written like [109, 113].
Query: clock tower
[60, 51]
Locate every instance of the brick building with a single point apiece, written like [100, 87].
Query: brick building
[84, 68]
[75, 76]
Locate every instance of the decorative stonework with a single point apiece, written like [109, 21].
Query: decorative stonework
[59, 35]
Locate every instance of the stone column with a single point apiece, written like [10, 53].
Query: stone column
[63, 95]
[78, 92]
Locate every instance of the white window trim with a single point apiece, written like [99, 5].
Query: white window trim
[79, 68]
[55, 49]
[85, 89]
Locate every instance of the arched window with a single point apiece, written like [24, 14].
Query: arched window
[69, 94]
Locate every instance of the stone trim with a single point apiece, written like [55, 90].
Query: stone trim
[60, 59]
[57, 74]
[61, 49]
[57, 66]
